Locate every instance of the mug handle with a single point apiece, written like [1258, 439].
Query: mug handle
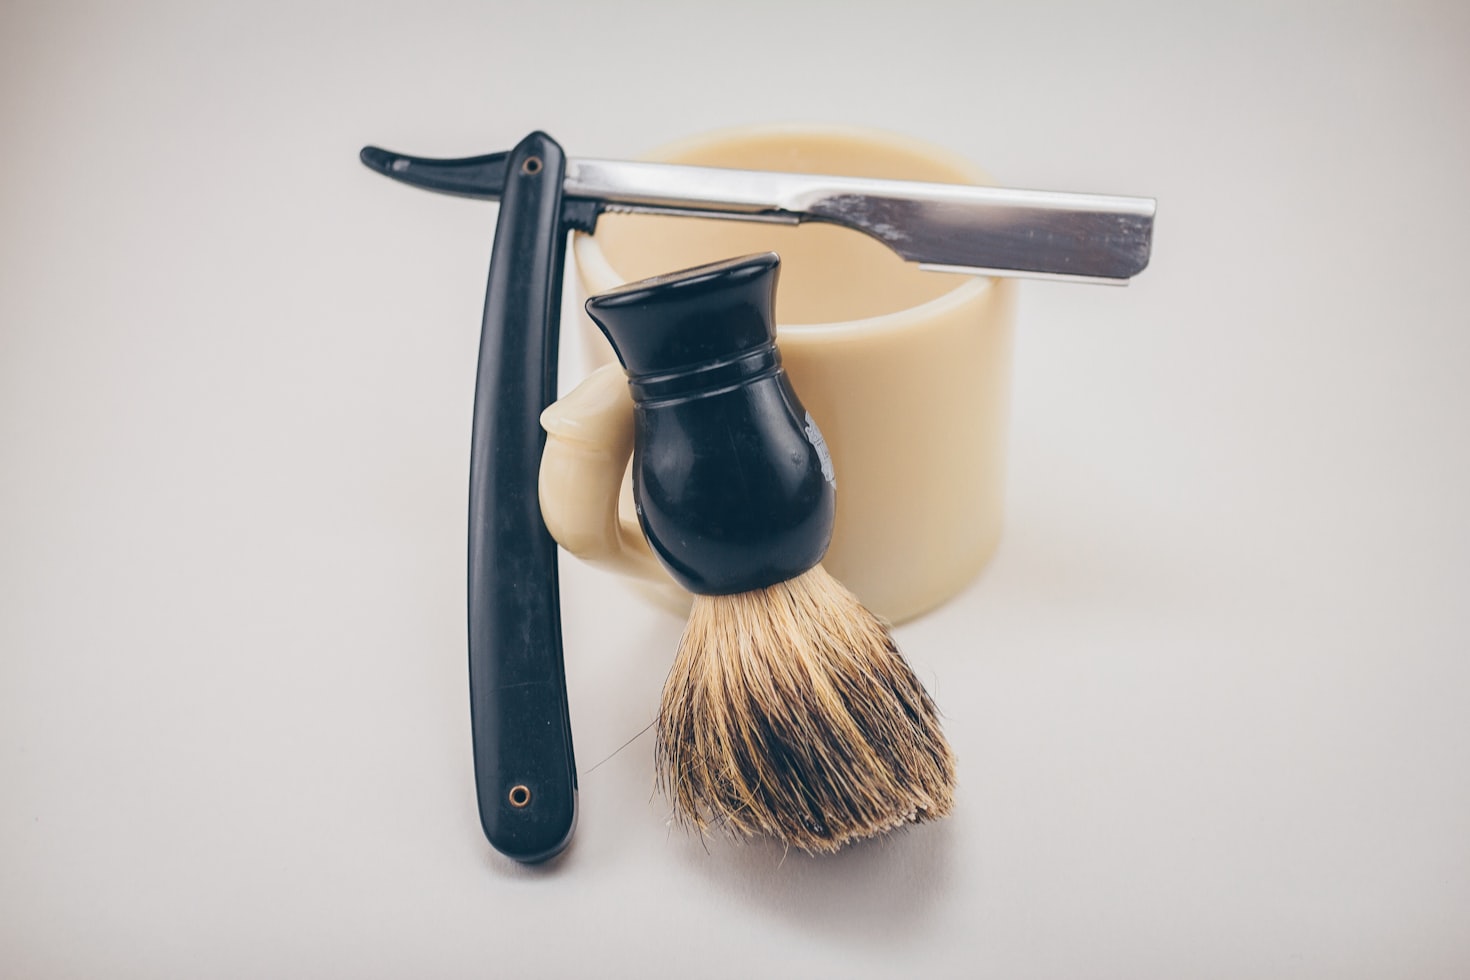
[589, 439]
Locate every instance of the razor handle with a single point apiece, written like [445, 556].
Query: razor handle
[525, 777]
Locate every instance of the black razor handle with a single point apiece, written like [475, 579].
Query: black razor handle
[525, 777]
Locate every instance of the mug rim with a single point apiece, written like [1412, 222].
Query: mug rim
[592, 261]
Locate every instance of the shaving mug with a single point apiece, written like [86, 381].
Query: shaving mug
[905, 371]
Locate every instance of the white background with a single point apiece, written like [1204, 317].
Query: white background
[1210, 700]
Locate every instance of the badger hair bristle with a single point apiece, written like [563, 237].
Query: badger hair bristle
[790, 713]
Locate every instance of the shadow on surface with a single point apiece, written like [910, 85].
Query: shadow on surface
[872, 892]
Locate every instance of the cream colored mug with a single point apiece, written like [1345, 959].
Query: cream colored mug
[906, 372]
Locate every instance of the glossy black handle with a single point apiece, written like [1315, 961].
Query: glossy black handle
[525, 777]
[754, 501]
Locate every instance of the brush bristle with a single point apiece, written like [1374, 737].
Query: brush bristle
[790, 713]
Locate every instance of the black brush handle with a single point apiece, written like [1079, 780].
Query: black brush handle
[755, 501]
[525, 777]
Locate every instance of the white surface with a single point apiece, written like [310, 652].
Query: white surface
[1210, 700]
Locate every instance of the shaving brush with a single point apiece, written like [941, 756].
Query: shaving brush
[789, 711]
